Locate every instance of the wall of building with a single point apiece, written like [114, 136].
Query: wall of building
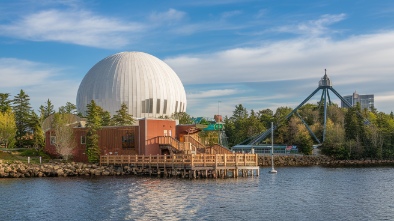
[110, 142]
[112, 139]
[153, 128]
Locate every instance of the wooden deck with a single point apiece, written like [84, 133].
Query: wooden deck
[188, 165]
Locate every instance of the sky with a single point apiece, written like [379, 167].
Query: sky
[261, 54]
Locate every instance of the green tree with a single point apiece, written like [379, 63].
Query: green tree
[22, 110]
[304, 143]
[282, 124]
[355, 132]
[94, 124]
[38, 139]
[122, 117]
[183, 117]
[5, 103]
[334, 143]
[236, 125]
[69, 108]
[7, 128]
[239, 113]
[209, 138]
[266, 117]
[46, 110]
[253, 125]
[105, 117]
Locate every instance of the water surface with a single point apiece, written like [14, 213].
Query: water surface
[295, 193]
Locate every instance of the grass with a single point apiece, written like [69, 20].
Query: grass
[12, 155]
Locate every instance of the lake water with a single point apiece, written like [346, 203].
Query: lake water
[295, 193]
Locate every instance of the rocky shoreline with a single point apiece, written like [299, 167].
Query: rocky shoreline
[320, 160]
[59, 169]
[21, 170]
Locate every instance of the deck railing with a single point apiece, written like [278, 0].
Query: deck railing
[218, 149]
[195, 143]
[193, 160]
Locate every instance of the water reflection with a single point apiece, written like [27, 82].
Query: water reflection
[311, 193]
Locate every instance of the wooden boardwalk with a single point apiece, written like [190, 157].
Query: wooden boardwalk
[188, 165]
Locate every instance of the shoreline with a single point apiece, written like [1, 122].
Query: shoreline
[319, 160]
[65, 169]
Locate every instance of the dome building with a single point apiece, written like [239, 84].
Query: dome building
[147, 85]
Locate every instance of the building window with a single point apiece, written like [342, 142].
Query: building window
[143, 106]
[53, 140]
[151, 105]
[176, 107]
[83, 139]
[158, 106]
[128, 140]
[165, 107]
[165, 133]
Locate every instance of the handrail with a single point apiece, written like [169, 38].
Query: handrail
[172, 142]
[219, 149]
[193, 160]
[197, 144]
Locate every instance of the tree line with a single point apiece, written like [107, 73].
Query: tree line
[21, 127]
[351, 133]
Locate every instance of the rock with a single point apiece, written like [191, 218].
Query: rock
[59, 172]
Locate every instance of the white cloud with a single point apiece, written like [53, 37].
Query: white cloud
[17, 72]
[170, 16]
[359, 58]
[76, 27]
[39, 81]
[211, 93]
[313, 27]
[359, 63]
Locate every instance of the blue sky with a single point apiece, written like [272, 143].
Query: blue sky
[261, 54]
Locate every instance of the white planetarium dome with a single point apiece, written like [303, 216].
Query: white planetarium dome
[147, 85]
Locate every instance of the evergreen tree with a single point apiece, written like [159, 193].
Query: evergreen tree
[5, 103]
[355, 132]
[266, 117]
[105, 117]
[46, 110]
[94, 124]
[239, 113]
[122, 117]
[253, 125]
[38, 140]
[22, 110]
[69, 108]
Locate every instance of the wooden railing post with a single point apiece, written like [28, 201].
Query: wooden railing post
[225, 160]
[216, 161]
[236, 160]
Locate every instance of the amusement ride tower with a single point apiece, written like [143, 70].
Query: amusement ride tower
[324, 85]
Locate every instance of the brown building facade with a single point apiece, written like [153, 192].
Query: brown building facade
[141, 139]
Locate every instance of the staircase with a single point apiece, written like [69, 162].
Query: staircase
[199, 147]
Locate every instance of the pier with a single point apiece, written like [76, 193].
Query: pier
[188, 165]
